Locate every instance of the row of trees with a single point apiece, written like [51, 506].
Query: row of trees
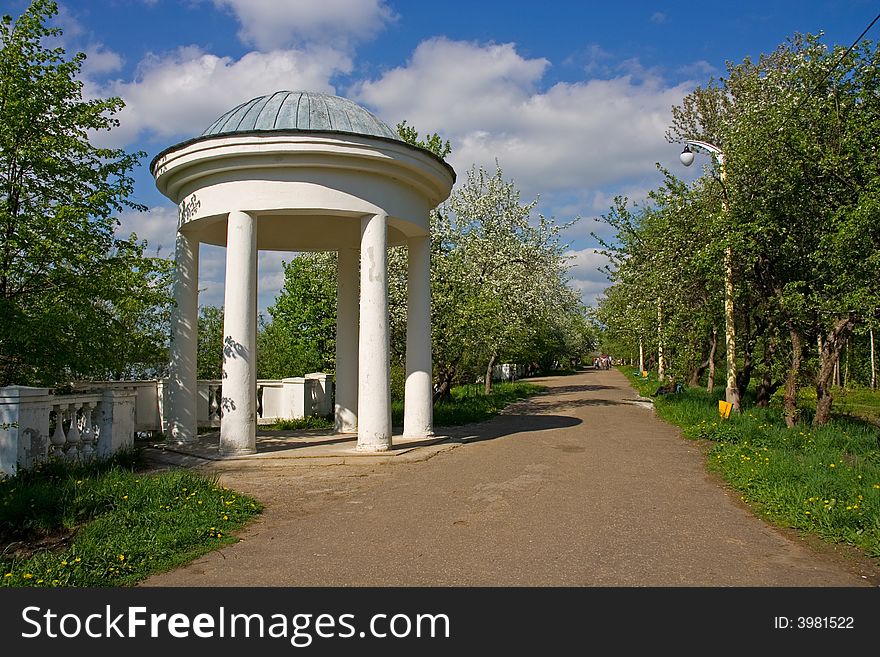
[793, 214]
[499, 290]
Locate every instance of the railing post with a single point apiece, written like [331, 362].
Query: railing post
[117, 421]
[297, 399]
[24, 427]
[73, 435]
[322, 393]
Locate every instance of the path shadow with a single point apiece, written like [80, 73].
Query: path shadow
[561, 404]
[579, 389]
[507, 424]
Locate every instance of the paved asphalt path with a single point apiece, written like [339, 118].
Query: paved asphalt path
[581, 486]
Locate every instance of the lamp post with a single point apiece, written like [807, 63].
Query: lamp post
[687, 158]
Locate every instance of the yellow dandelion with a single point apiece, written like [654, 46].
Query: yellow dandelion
[8, 575]
[122, 557]
[28, 576]
[125, 497]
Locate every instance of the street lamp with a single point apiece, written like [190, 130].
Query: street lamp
[687, 158]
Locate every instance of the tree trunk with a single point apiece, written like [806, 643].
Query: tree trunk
[873, 368]
[700, 369]
[828, 358]
[732, 392]
[444, 385]
[791, 379]
[713, 347]
[487, 381]
[641, 356]
[767, 387]
[744, 376]
[661, 365]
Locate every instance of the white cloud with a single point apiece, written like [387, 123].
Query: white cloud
[485, 99]
[456, 87]
[157, 225]
[100, 61]
[271, 24]
[585, 273]
[179, 94]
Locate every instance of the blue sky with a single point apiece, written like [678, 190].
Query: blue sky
[571, 98]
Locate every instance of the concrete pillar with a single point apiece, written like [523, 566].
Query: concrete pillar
[346, 404]
[238, 426]
[184, 342]
[116, 421]
[418, 414]
[374, 367]
[297, 401]
[24, 427]
[322, 389]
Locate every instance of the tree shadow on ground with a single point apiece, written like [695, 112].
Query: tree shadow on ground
[507, 424]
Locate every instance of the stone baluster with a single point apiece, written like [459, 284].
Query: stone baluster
[216, 409]
[73, 434]
[58, 437]
[88, 432]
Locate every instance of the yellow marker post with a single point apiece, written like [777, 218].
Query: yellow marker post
[724, 408]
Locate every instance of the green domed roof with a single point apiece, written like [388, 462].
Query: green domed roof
[300, 110]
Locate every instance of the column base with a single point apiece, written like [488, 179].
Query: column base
[237, 452]
[373, 447]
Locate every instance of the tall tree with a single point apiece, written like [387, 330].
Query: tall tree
[301, 336]
[76, 300]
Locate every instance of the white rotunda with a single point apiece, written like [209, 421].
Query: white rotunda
[304, 171]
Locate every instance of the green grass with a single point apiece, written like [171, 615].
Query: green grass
[104, 524]
[824, 480]
[300, 424]
[469, 404]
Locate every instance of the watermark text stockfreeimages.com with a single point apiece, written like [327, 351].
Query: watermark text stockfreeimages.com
[300, 629]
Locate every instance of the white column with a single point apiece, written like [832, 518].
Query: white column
[374, 372]
[418, 414]
[347, 341]
[184, 341]
[238, 426]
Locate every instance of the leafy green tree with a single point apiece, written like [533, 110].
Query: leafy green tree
[499, 277]
[76, 300]
[210, 343]
[301, 336]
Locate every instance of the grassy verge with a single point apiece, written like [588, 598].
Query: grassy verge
[300, 424]
[104, 524]
[825, 480]
[469, 404]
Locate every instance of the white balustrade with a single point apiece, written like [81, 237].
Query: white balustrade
[85, 425]
[101, 417]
